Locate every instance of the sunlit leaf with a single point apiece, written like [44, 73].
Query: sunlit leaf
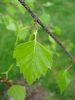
[63, 80]
[33, 60]
[17, 92]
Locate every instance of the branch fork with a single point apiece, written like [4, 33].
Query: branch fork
[36, 19]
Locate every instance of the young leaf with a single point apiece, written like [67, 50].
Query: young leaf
[17, 92]
[32, 37]
[33, 60]
[63, 80]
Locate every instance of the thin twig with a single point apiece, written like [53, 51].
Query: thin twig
[45, 28]
[6, 76]
[70, 66]
[2, 79]
[27, 27]
[36, 29]
[40, 6]
[11, 3]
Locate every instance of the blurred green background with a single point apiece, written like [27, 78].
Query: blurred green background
[59, 17]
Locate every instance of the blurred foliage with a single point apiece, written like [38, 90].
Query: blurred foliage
[59, 17]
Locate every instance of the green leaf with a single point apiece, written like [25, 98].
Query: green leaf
[57, 30]
[32, 37]
[6, 19]
[6, 1]
[48, 4]
[30, 1]
[0, 19]
[23, 34]
[20, 8]
[30, 4]
[33, 60]
[45, 18]
[11, 26]
[17, 92]
[63, 80]
[12, 12]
